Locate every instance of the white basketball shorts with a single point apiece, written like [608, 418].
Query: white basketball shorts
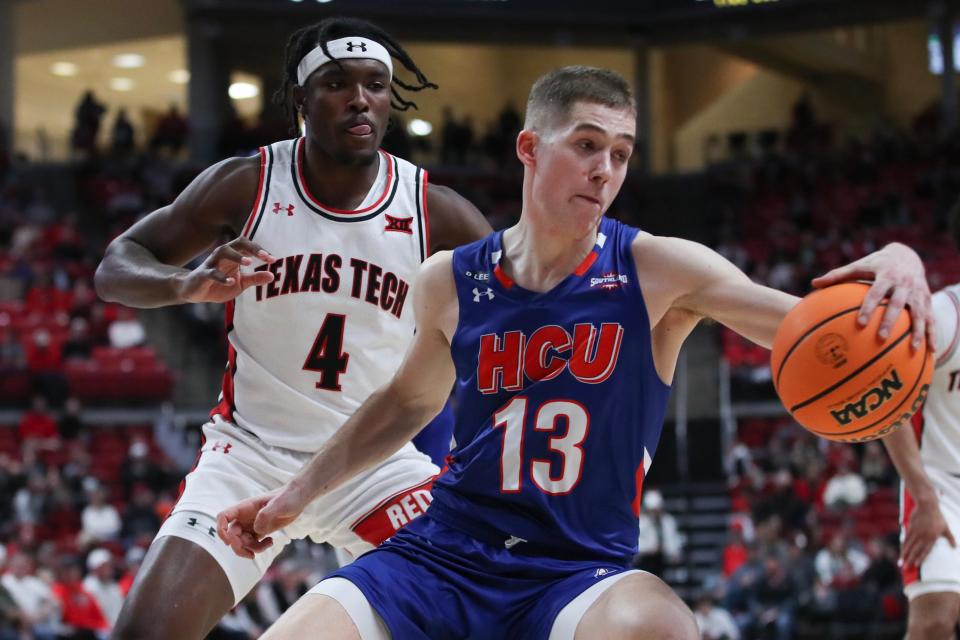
[940, 570]
[234, 465]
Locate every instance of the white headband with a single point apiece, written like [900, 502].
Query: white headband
[353, 47]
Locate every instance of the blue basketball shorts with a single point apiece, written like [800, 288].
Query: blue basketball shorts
[432, 581]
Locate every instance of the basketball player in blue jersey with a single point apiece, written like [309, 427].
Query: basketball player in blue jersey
[328, 232]
[561, 335]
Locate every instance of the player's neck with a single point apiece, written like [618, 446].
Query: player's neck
[334, 183]
[539, 258]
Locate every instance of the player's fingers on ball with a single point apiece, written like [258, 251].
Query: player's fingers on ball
[830, 277]
[896, 304]
[870, 301]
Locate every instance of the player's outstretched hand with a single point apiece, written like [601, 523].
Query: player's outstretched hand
[219, 279]
[898, 274]
[925, 528]
[246, 526]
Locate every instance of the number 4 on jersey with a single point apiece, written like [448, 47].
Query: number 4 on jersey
[327, 357]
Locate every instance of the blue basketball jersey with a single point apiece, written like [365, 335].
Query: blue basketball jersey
[560, 407]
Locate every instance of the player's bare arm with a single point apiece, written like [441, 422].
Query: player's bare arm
[454, 220]
[143, 267]
[680, 274]
[927, 523]
[384, 423]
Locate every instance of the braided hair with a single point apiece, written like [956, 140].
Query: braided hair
[304, 40]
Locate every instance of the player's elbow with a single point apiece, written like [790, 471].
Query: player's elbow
[103, 277]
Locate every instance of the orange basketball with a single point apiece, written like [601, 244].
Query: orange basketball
[842, 381]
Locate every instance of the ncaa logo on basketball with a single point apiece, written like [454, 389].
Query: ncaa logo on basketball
[832, 350]
[869, 401]
[904, 418]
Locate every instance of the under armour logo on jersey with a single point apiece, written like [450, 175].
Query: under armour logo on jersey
[512, 541]
[403, 225]
[222, 446]
[362, 46]
[277, 208]
[477, 293]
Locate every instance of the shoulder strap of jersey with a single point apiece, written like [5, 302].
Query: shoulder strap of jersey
[260, 203]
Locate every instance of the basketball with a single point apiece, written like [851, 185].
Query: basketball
[840, 380]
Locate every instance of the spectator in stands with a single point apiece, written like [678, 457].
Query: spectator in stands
[88, 115]
[736, 551]
[876, 468]
[276, 595]
[45, 361]
[100, 584]
[715, 622]
[882, 576]
[32, 596]
[397, 140]
[76, 470]
[243, 622]
[139, 469]
[82, 298]
[13, 622]
[100, 520]
[846, 488]
[140, 521]
[31, 501]
[171, 132]
[838, 557]
[133, 560]
[13, 358]
[81, 616]
[122, 136]
[660, 542]
[71, 426]
[781, 500]
[37, 428]
[77, 345]
[126, 331]
[773, 601]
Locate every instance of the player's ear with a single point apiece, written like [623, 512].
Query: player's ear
[299, 97]
[527, 142]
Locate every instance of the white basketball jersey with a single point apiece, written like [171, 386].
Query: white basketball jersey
[938, 426]
[308, 349]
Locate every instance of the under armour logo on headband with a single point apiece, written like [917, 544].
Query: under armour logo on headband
[350, 47]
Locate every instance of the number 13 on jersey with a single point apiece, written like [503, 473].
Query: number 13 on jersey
[549, 416]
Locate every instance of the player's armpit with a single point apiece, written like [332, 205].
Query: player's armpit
[453, 220]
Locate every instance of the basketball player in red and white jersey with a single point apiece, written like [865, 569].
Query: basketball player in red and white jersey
[327, 233]
[928, 460]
